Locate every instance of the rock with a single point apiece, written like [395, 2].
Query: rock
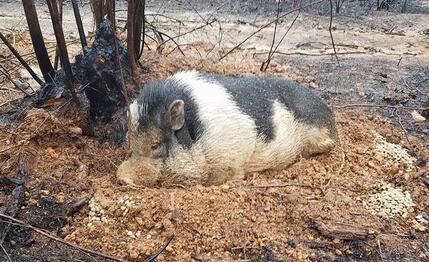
[417, 117]
[75, 130]
[419, 227]
[291, 243]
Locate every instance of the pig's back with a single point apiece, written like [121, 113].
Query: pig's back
[256, 123]
[256, 97]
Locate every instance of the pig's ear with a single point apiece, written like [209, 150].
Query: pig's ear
[176, 114]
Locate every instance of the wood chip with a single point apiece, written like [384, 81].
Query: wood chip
[341, 231]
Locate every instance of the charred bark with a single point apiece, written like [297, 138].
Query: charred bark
[38, 42]
[98, 72]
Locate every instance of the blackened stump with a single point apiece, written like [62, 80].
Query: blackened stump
[98, 73]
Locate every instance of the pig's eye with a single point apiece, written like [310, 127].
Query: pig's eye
[155, 147]
[158, 150]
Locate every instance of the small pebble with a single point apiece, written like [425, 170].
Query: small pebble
[291, 243]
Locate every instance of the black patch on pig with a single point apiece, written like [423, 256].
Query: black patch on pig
[155, 98]
[255, 97]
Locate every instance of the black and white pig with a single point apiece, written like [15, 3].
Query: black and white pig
[207, 128]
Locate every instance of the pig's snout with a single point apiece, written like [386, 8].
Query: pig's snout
[138, 172]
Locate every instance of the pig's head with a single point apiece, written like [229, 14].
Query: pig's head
[154, 117]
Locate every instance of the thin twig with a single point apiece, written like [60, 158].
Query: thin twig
[313, 54]
[397, 113]
[265, 64]
[174, 41]
[196, 11]
[382, 106]
[190, 31]
[167, 17]
[273, 186]
[4, 72]
[381, 252]
[283, 37]
[265, 26]
[21, 60]
[48, 235]
[330, 33]
[10, 147]
[154, 256]
[5, 252]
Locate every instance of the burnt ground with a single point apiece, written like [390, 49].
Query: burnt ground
[383, 60]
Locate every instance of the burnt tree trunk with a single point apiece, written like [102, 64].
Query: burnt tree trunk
[139, 26]
[79, 25]
[101, 73]
[98, 71]
[97, 9]
[38, 42]
[132, 33]
[62, 48]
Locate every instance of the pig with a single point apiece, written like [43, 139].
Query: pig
[206, 128]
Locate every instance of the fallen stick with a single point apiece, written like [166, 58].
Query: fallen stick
[13, 202]
[152, 258]
[21, 60]
[48, 235]
[273, 186]
[381, 106]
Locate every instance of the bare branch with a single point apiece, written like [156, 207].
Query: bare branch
[154, 256]
[265, 26]
[21, 60]
[6, 74]
[21, 223]
[330, 33]
[265, 64]
[271, 54]
[383, 106]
